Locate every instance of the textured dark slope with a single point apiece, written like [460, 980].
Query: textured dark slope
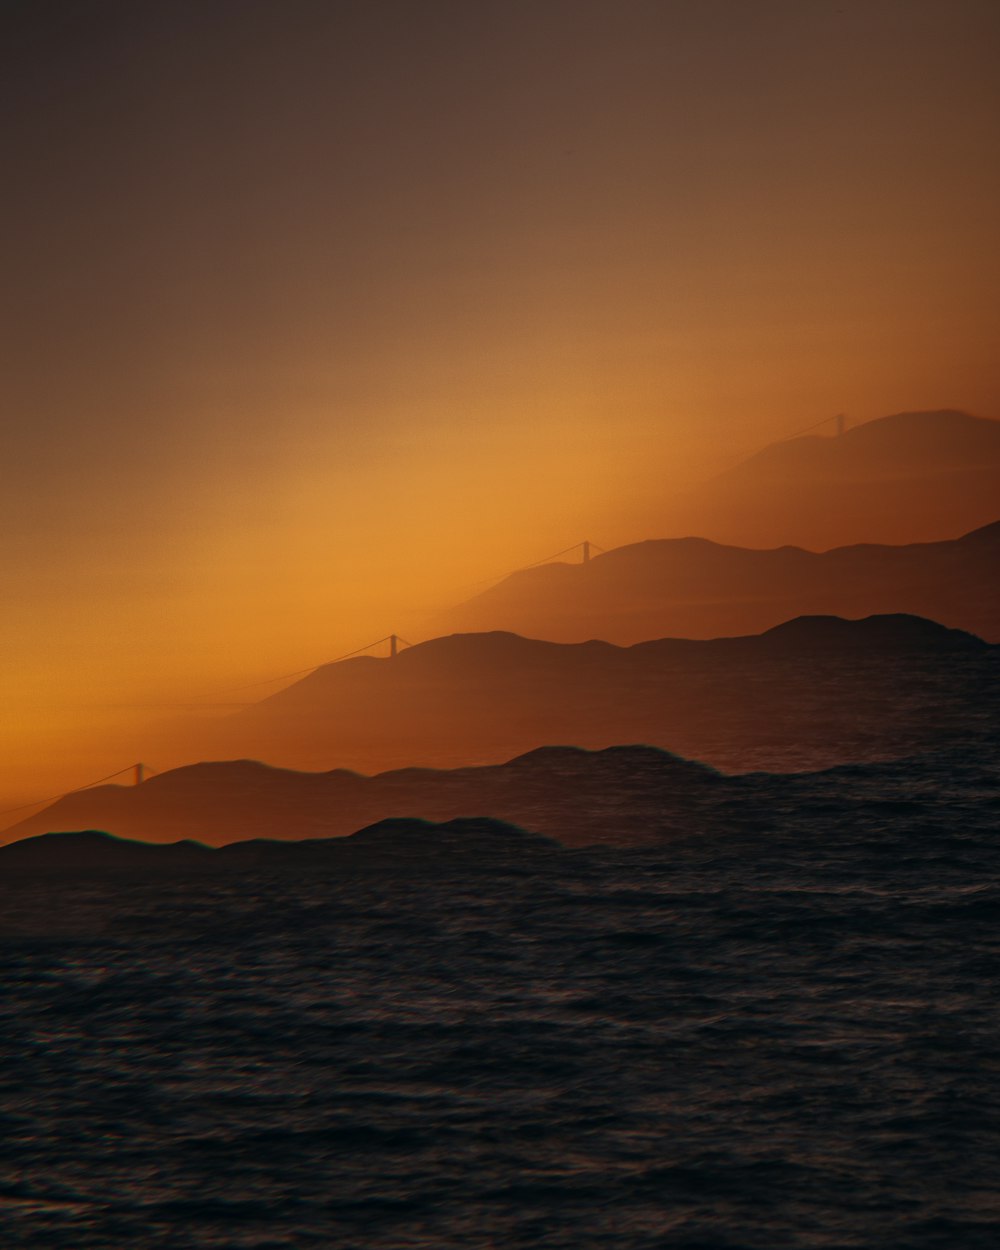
[694, 588]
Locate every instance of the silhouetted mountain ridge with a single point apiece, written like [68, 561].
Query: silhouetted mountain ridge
[557, 792]
[628, 797]
[809, 693]
[472, 654]
[828, 704]
[907, 477]
[894, 632]
[391, 840]
[694, 588]
[901, 444]
[95, 849]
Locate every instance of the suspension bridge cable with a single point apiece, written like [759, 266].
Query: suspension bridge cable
[65, 793]
[523, 568]
[735, 459]
[548, 559]
[269, 681]
[808, 429]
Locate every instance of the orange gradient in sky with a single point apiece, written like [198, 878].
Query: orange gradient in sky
[315, 316]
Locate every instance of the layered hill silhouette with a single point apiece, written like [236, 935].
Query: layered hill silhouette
[394, 841]
[809, 693]
[690, 587]
[624, 795]
[905, 478]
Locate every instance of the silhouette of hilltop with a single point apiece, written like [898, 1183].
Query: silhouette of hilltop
[892, 632]
[807, 694]
[564, 793]
[894, 446]
[691, 587]
[627, 797]
[909, 477]
[810, 692]
[401, 840]
[95, 849]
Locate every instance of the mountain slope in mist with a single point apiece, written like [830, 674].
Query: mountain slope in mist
[690, 587]
[625, 794]
[910, 477]
[809, 693]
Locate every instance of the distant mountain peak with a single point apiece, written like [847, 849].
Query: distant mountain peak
[919, 475]
[903, 439]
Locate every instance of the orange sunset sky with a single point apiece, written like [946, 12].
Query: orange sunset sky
[316, 313]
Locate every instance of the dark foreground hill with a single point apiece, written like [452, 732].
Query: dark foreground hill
[625, 794]
[400, 840]
[909, 477]
[690, 587]
[809, 693]
[623, 798]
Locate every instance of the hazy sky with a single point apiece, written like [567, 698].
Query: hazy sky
[316, 312]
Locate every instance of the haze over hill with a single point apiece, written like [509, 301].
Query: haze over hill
[809, 693]
[690, 587]
[622, 794]
[910, 477]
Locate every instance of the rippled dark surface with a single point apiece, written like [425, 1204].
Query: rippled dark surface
[786, 1038]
